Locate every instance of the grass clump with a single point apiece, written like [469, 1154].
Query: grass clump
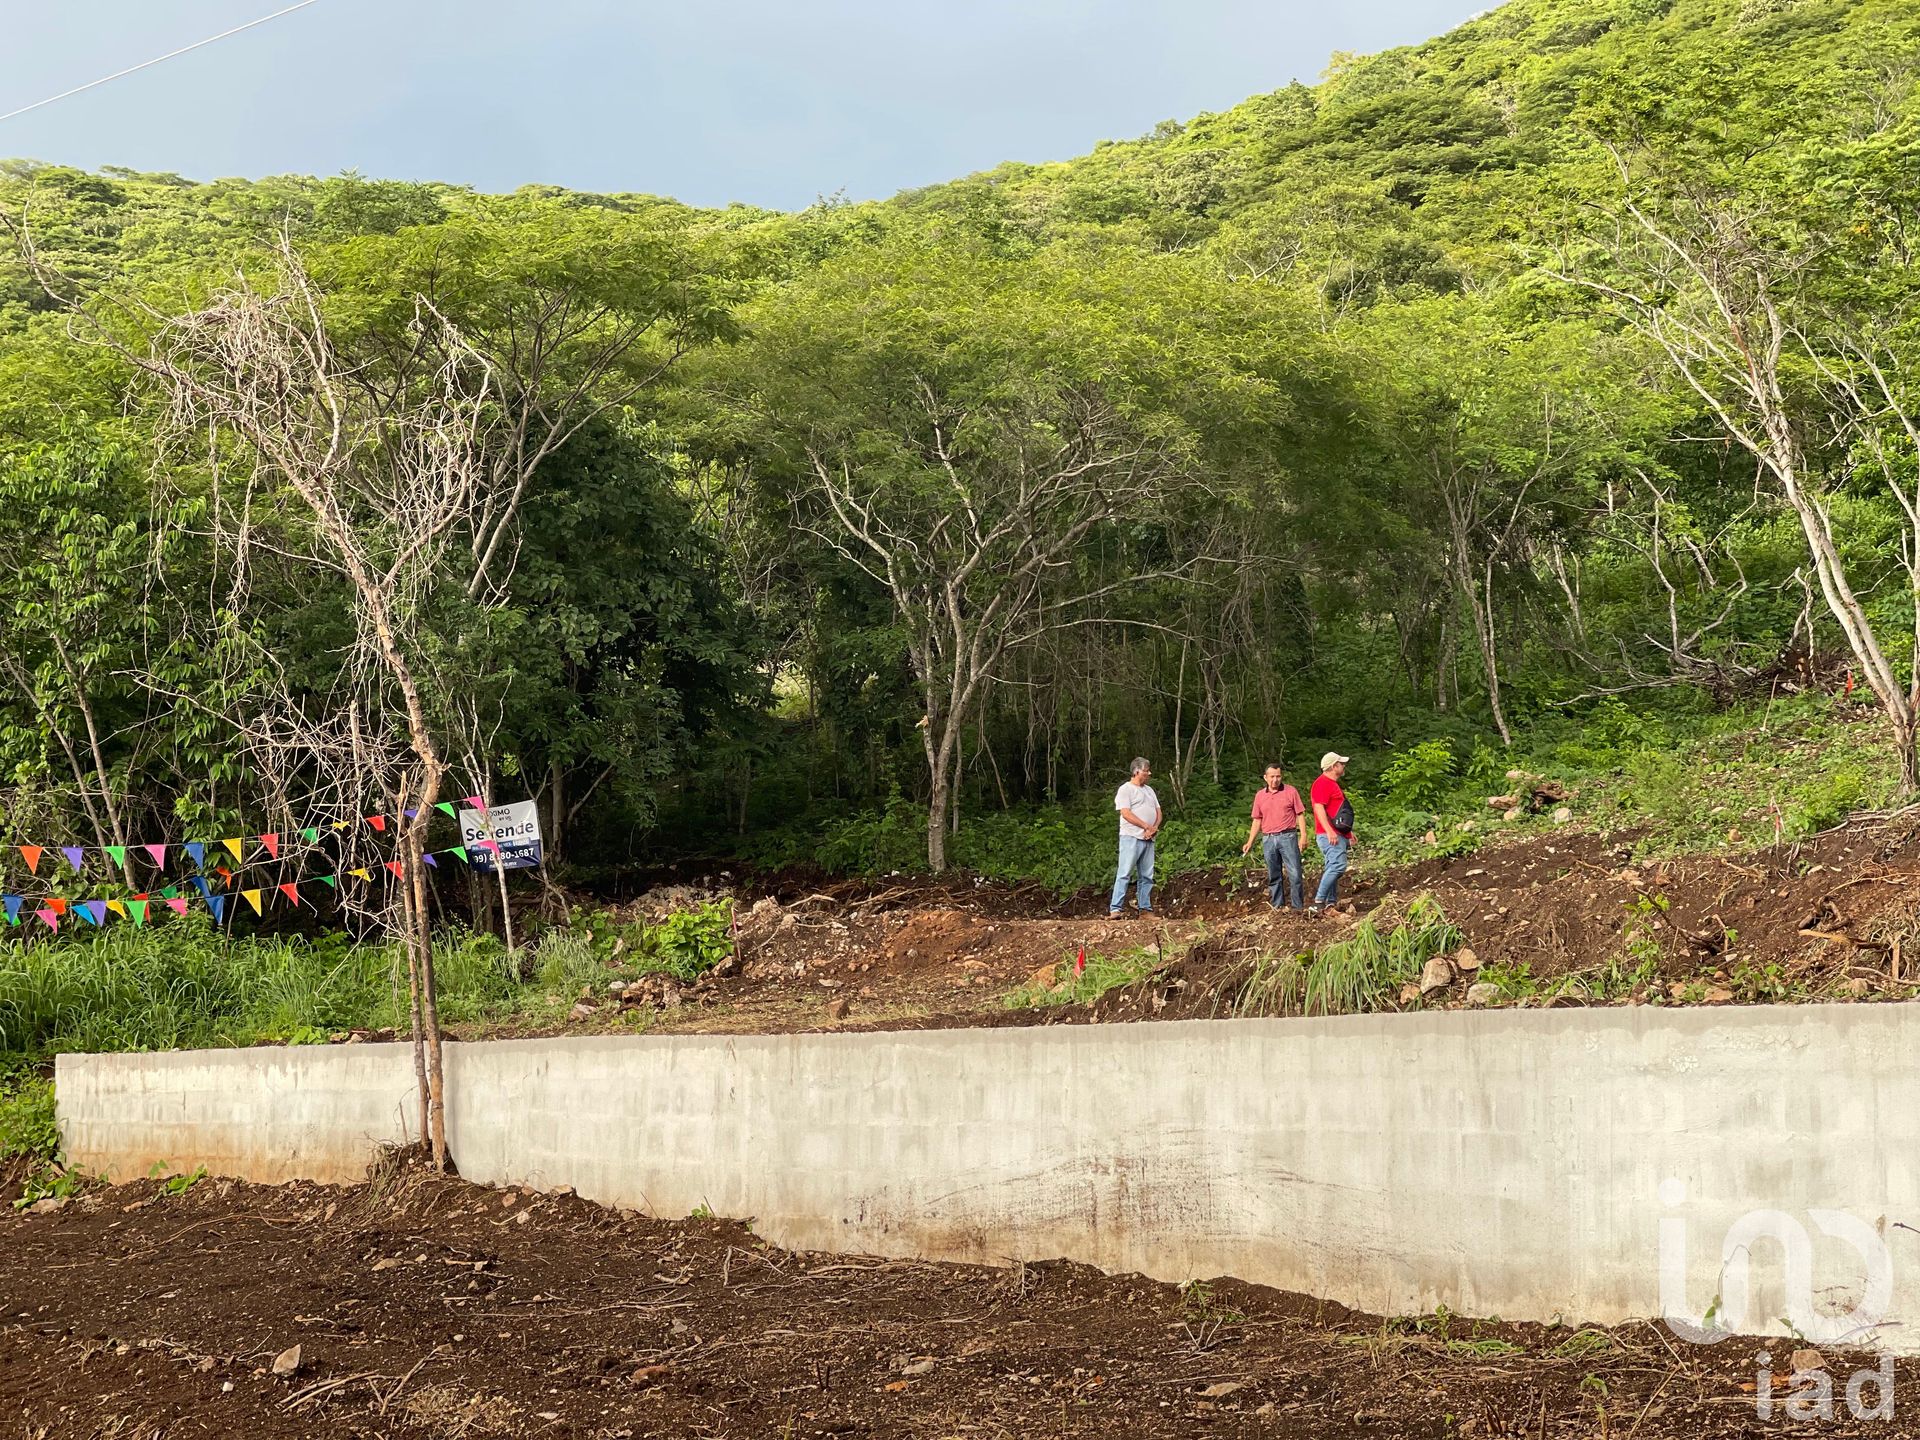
[1363, 972]
[1102, 973]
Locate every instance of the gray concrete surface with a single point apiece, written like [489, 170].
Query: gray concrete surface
[1507, 1163]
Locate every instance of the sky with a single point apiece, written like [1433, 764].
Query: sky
[769, 102]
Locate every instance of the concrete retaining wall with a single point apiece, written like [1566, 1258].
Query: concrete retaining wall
[1504, 1164]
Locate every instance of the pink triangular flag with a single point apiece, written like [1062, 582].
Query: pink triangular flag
[48, 918]
[179, 905]
[475, 802]
[158, 852]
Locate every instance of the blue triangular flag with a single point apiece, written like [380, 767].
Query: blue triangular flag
[200, 884]
[195, 849]
[218, 905]
[13, 903]
[84, 913]
[427, 855]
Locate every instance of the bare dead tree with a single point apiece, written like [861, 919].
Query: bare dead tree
[1693, 271]
[386, 497]
[977, 549]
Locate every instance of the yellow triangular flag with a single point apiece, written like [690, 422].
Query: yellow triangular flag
[341, 824]
[252, 897]
[360, 874]
[118, 907]
[233, 844]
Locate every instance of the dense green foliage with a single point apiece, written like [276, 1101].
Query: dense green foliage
[881, 534]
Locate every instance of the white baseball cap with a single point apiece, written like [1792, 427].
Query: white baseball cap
[1331, 759]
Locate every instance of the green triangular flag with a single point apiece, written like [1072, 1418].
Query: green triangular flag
[459, 852]
[117, 854]
[331, 881]
[312, 837]
[172, 892]
[138, 909]
[446, 805]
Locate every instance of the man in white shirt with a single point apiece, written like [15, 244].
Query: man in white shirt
[1139, 811]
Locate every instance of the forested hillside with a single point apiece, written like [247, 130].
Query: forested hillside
[1548, 382]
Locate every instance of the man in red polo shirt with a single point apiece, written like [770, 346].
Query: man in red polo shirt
[1280, 824]
[1336, 843]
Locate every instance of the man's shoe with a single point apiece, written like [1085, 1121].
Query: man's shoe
[1114, 914]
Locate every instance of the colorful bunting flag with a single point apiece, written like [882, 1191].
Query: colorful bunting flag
[378, 822]
[474, 802]
[138, 910]
[49, 918]
[291, 891]
[272, 842]
[427, 855]
[97, 910]
[117, 854]
[360, 874]
[459, 852]
[158, 852]
[13, 903]
[178, 906]
[234, 843]
[57, 905]
[31, 854]
[76, 857]
[118, 907]
[196, 852]
[311, 835]
[169, 893]
[341, 824]
[445, 805]
[332, 882]
[200, 884]
[252, 897]
[218, 905]
[394, 866]
[409, 813]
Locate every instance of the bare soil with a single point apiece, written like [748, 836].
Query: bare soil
[423, 1306]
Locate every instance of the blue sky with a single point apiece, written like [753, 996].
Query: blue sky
[714, 101]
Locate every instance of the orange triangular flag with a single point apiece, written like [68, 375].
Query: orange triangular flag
[252, 897]
[378, 822]
[56, 904]
[31, 854]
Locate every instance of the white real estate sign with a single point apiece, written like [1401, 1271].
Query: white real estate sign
[515, 827]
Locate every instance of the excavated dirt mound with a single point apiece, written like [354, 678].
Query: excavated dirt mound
[417, 1306]
[1564, 917]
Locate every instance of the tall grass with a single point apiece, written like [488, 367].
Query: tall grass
[183, 985]
[1363, 972]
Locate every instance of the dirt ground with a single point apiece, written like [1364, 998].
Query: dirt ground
[1829, 919]
[420, 1306]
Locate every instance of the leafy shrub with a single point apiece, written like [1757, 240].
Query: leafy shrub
[895, 839]
[688, 943]
[1417, 778]
[1828, 801]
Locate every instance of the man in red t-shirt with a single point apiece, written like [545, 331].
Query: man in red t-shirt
[1280, 824]
[1336, 845]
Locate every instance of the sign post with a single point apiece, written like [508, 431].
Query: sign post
[514, 833]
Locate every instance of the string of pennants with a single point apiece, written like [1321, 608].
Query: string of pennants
[52, 910]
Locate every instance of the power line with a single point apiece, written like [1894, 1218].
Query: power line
[158, 59]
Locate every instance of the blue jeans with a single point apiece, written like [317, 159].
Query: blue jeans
[1283, 862]
[1334, 850]
[1134, 854]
